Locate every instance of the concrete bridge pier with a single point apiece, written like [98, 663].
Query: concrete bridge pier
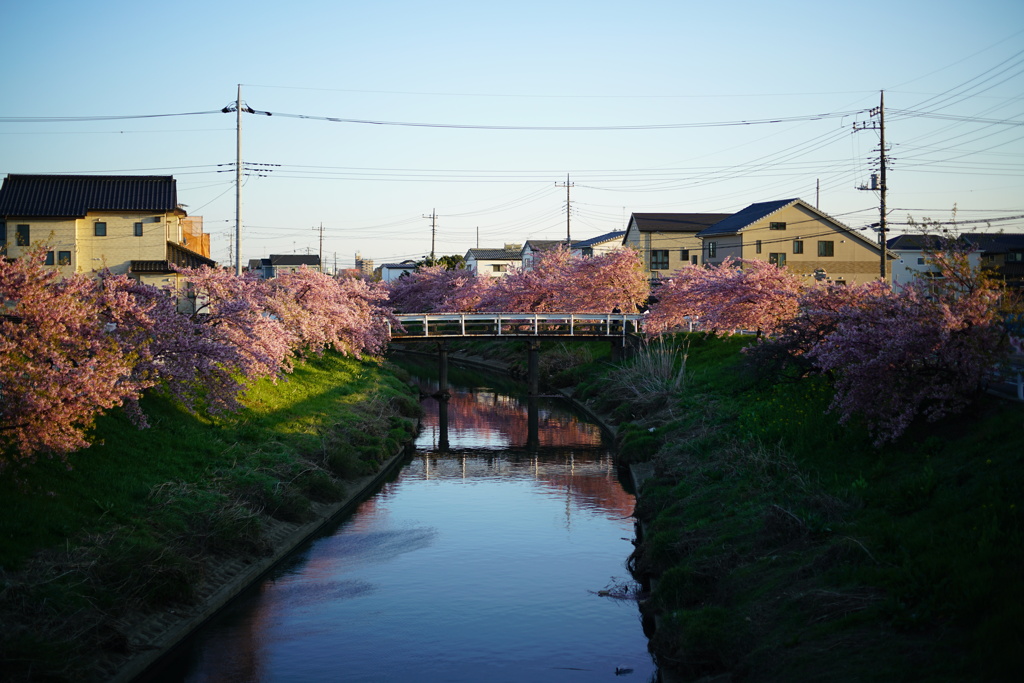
[442, 371]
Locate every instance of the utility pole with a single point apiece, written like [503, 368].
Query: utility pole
[883, 162]
[321, 252]
[238, 183]
[568, 210]
[433, 232]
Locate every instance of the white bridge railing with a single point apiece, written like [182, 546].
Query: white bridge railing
[448, 325]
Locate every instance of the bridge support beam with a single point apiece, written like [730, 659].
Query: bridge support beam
[533, 366]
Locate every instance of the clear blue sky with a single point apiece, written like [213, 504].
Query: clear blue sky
[523, 64]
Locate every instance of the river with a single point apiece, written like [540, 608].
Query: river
[497, 553]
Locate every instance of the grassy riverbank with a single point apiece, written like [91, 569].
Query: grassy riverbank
[784, 546]
[133, 525]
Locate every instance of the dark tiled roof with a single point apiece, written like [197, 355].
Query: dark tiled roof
[76, 195]
[742, 219]
[914, 242]
[677, 222]
[545, 245]
[495, 254]
[294, 260]
[600, 239]
[997, 242]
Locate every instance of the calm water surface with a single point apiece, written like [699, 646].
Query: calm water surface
[482, 561]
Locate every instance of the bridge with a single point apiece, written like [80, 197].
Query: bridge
[438, 326]
[533, 327]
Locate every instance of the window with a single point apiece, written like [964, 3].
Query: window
[684, 255]
[659, 259]
[920, 260]
[49, 258]
[777, 259]
[757, 247]
[499, 267]
[798, 246]
[23, 237]
[3, 234]
[777, 226]
[63, 258]
[99, 229]
[138, 229]
[693, 260]
[712, 249]
[826, 248]
[1015, 257]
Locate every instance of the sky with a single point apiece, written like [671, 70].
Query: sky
[647, 106]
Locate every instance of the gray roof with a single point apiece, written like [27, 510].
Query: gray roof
[294, 260]
[483, 254]
[75, 195]
[600, 239]
[676, 222]
[742, 219]
[986, 242]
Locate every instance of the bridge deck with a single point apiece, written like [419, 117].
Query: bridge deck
[420, 326]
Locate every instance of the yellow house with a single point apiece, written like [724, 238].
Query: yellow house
[795, 235]
[127, 224]
[668, 241]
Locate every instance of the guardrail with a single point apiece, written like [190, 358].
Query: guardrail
[449, 325]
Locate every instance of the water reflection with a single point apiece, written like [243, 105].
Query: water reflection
[481, 561]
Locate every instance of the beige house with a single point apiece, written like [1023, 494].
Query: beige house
[127, 224]
[668, 241]
[795, 235]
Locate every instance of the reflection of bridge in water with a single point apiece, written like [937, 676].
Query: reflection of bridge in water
[617, 328]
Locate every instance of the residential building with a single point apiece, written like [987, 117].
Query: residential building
[1002, 254]
[668, 241]
[601, 244]
[276, 264]
[130, 225]
[532, 248]
[387, 272]
[793, 234]
[493, 262]
[912, 261]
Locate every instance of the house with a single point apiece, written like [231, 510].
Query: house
[493, 262]
[1002, 254]
[601, 244]
[912, 260]
[128, 224]
[668, 241]
[791, 233]
[387, 272]
[532, 248]
[277, 264]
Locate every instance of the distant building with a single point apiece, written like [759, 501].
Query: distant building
[493, 262]
[601, 244]
[276, 264]
[392, 271]
[364, 265]
[668, 241]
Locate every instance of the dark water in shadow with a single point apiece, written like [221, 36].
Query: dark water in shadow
[481, 561]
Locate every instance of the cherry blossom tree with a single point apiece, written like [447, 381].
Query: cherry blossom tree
[320, 311]
[436, 289]
[237, 311]
[561, 282]
[59, 365]
[179, 354]
[923, 351]
[735, 295]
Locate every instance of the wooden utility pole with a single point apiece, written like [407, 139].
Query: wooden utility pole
[879, 185]
[568, 210]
